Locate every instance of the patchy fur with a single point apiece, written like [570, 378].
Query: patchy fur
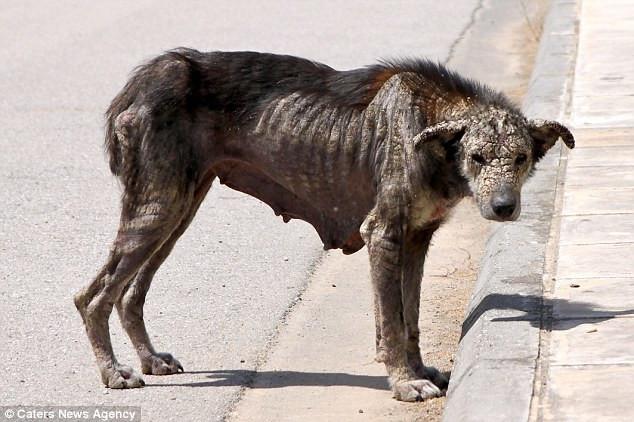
[374, 156]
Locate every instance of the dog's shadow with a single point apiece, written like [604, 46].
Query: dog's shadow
[538, 311]
[280, 379]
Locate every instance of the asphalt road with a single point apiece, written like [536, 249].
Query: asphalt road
[217, 301]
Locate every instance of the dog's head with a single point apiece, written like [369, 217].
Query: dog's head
[496, 152]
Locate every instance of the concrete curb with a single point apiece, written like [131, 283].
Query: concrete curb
[494, 374]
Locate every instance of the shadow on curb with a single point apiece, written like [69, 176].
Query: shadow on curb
[531, 305]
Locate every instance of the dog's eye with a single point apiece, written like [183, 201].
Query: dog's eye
[521, 159]
[478, 159]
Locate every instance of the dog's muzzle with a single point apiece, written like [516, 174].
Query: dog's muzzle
[504, 205]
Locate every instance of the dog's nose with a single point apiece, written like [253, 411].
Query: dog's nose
[504, 205]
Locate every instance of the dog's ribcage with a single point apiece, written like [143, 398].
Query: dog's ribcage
[330, 146]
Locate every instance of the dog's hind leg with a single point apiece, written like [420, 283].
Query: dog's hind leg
[158, 192]
[130, 304]
[145, 227]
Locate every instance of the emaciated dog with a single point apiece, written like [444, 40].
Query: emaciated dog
[374, 156]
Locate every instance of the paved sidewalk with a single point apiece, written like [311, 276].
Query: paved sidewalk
[589, 358]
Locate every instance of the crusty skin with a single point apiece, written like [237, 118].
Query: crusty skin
[374, 156]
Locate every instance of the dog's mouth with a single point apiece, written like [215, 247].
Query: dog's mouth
[500, 219]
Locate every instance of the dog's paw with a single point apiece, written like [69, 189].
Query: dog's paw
[427, 372]
[161, 364]
[434, 375]
[121, 376]
[415, 390]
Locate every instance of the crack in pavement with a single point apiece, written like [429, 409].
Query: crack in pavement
[472, 20]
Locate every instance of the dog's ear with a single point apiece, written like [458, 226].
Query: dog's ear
[545, 133]
[447, 133]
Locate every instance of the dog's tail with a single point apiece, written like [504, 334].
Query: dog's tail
[119, 104]
[158, 88]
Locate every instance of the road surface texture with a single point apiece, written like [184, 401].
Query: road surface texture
[217, 304]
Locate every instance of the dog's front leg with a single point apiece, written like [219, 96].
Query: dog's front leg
[386, 248]
[414, 251]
